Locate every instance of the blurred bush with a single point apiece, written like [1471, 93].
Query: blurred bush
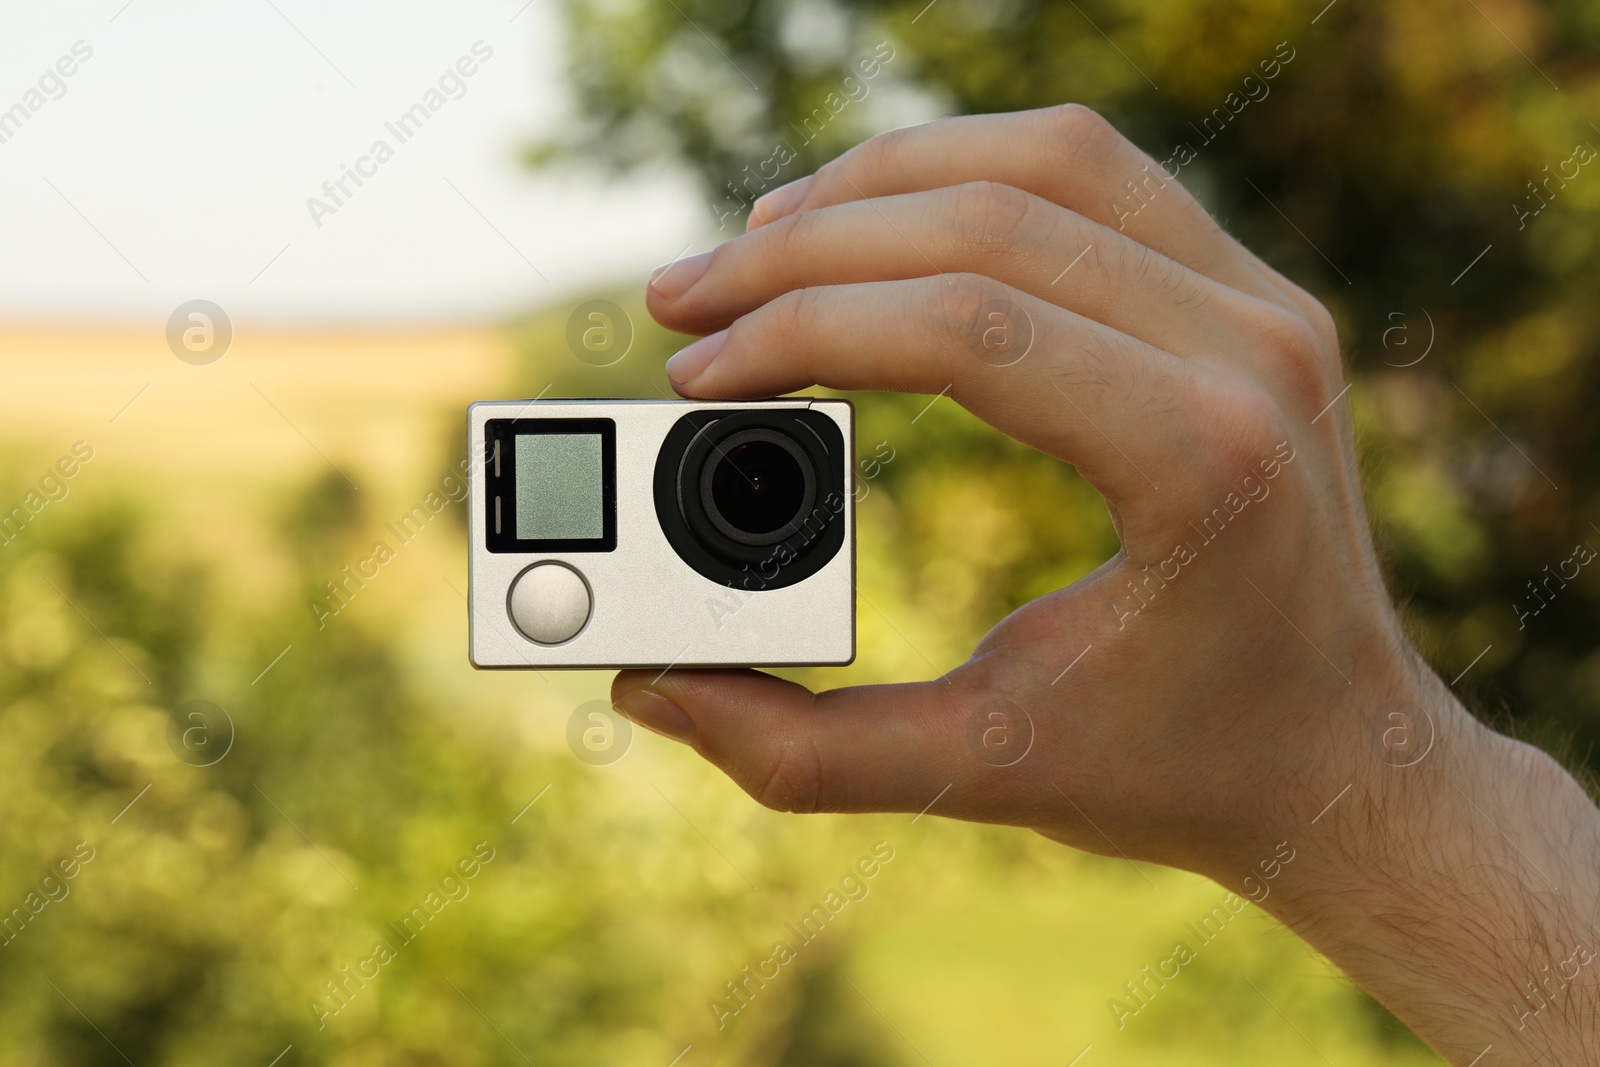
[235, 882]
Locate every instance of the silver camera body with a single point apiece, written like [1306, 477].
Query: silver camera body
[661, 533]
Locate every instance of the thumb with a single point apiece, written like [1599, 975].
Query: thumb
[864, 748]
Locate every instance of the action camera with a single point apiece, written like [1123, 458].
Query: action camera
[661, 533]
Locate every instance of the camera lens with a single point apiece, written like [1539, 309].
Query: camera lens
[754, 497]
[758, 487]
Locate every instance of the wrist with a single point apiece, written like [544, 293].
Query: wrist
[1450, 871]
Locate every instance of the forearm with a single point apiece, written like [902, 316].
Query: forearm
[1461, 890]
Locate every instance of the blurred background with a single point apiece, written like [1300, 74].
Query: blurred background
[267, 790]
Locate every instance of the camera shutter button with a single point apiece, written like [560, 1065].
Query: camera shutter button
[550, 603]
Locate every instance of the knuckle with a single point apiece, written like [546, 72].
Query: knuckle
[1322, 323]
[960, 305]
[787, 240]
[1297, 352]
[1241, 425]
[1077, 129]
[792, 779]
[792, 315]
[879, 153]
[991, 216]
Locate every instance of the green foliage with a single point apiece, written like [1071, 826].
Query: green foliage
[1396, 145]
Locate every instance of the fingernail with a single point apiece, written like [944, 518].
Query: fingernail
[692, 361]
[657, 713]
[673, 279]
[780, 202]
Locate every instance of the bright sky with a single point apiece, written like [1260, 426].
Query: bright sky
[175, 163]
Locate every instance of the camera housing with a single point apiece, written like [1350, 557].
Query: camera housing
[661, 533]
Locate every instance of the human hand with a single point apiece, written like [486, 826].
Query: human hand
[1227, 683]
[1243, 625]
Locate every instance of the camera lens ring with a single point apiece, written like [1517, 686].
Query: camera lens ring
[713, 498]
[818, 536]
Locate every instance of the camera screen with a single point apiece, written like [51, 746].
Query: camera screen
[550, 485]
[559, 485]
